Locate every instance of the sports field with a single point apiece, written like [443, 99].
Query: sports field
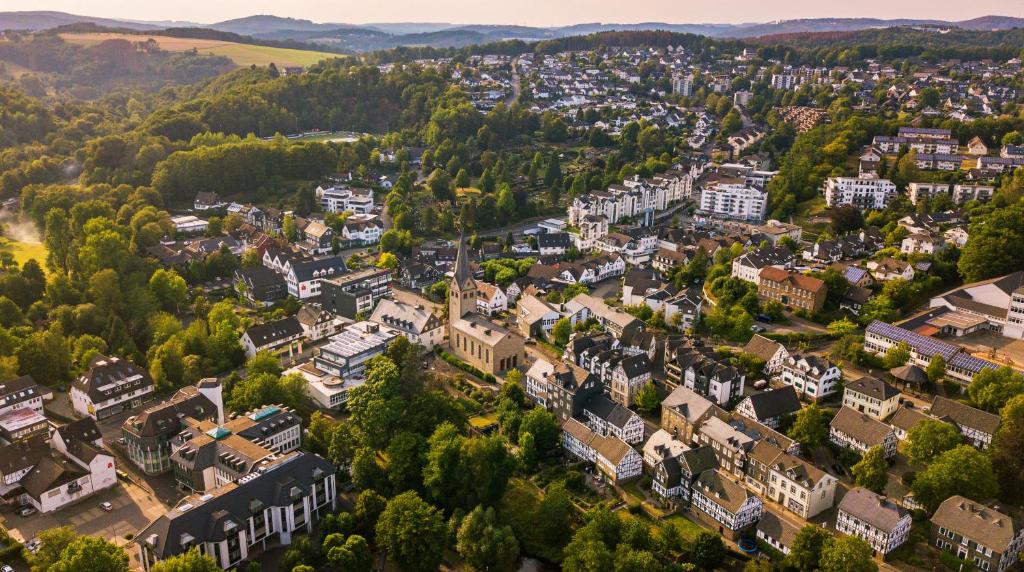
[241, 54]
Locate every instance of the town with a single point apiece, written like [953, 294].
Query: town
[632, 300]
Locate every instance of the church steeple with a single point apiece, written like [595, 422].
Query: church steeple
[462, 290]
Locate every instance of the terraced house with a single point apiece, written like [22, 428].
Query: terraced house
[974, 532]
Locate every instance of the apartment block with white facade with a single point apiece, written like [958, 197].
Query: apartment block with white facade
[864, 192]
[733, 201]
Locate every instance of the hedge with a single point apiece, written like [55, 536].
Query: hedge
[456, 362]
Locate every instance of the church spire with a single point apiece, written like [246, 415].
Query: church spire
[463, 277]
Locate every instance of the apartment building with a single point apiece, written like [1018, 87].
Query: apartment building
[734, 201]
[974, 532]
[864, 192]
[791, 289]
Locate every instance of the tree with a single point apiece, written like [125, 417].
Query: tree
[897, 355]
[846, 218]
[990, 389]
[996, 246]
[169, 288]
[91, 553]
[354, 555]
[847, 554]
[462, 179]
[647, 398]
[707, 550]
[387, 260]
[936, 368]
[840, 328]
[1007, 444]
[544, 427]
[560, 331]
[52, 541]
[405, 461]
[486, 544]
[810, 428]
[870, 471]
[587, 553]
[929, 439]
[191, 561]
[961, 471]
[412, 532]
[805, 554]
[553, 173]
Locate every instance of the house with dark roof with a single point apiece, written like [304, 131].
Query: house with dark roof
[110, 386]
[703, 370]
[812, 376]
[611, 456]
[561, 388]
[553, 243]
[683, 411]
[416, 322]
[674, 476]
[791, 289]
[777, 532]
[260, 285]
[304, 276]
[239, 520]
[606, 417]
[905, 419]
[770, 407]
[872, 396]
[874, 519]
[976, 425]
[271, 335]
[772, 353]
[317, 323]
[860, 432]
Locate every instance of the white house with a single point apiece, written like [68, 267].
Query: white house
[611, 456]
[864, 191]
[810, 375]
[417, 323]
[490, 299]
[110, 386]
[873, 518]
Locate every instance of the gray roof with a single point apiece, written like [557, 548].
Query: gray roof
[271, 332]
[978, 522]
[964, 415]
[405, 317]
[775, 403]
[906, 419]
[234, 502]
[774, 526]
[874, 509]
[873, 387]
[762, 347]
[860, 426]
[721, 490]
[108, 377]
[608, 410]
[690, 404]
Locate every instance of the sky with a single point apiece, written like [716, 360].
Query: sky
[524, 12]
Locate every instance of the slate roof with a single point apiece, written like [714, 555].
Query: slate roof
[405, 317]
[721, 490]
[906, 419]
[270, 332]
[964, 415]
[608, 410]
[775, 403]
[873, 387]
[165, 419]
[978, 522]
[690, 404]
[874, 509]
[774, 526]
[50, 473]
[861, 427]
[234, 502]
[20, 390]
[636, 365]
[111, 377]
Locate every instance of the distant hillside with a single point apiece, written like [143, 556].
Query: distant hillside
[266, 24]
[46, 20]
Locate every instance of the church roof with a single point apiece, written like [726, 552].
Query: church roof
[463, 277]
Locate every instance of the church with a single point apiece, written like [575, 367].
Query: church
[473, 338]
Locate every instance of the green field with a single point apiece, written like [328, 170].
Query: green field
[25, 251]
[241, 54]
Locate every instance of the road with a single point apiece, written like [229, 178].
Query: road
[516, 87]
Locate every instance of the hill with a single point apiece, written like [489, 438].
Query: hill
[266, 24]
[44, 20]
[240, 54]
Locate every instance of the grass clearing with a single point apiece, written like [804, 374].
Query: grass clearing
[241, 54]
[25, 251]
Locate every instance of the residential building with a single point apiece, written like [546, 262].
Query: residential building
[683, 411]
[799, 486]
[628, 377]
[206, 201]
[23, 393]
[535, 316]
[724, 504]
[865, 192]
[770, 407]
[704, 371]
[874, 519]
[905, 419]
[890, 269]
[674, 476]
[813, 377]
[960, 365]
[988, 538]
[304, 276]
[317, 238]
[748, 266]
[260, 285]
[341, 199]
[238, 521]
[611, 456]
[858, 431]
[490, 299]
[417, 323]
[660, 446]
[553, 243]
[772, 353]
[318, 323]
[270, 336]
[977, 426]
[615, 320]
[110, 386]
[791, 289]
[777, 532]
[872, 396]
[355, 293]
[362, 229]
[605, 417]
[562, 388]
[735, 201]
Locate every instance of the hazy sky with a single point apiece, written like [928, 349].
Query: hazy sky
[527, 12]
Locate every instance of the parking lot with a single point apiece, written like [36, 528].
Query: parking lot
[133, 508]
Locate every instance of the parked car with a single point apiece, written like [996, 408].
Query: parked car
[757, 329]
[6, 568]
[33, 545]
[106, 506]
[761, 384]
[26, 510]
[763, 318]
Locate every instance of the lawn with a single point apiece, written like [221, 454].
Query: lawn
[484, 422]
[25, 251]
[687, 527]
[241, 54]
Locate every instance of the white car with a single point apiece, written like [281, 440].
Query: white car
[106, 506]
[33, 545]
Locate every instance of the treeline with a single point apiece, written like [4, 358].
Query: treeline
[22, 119]
[334, 96]
[248, 165]
[891, 45]
[636, 38]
